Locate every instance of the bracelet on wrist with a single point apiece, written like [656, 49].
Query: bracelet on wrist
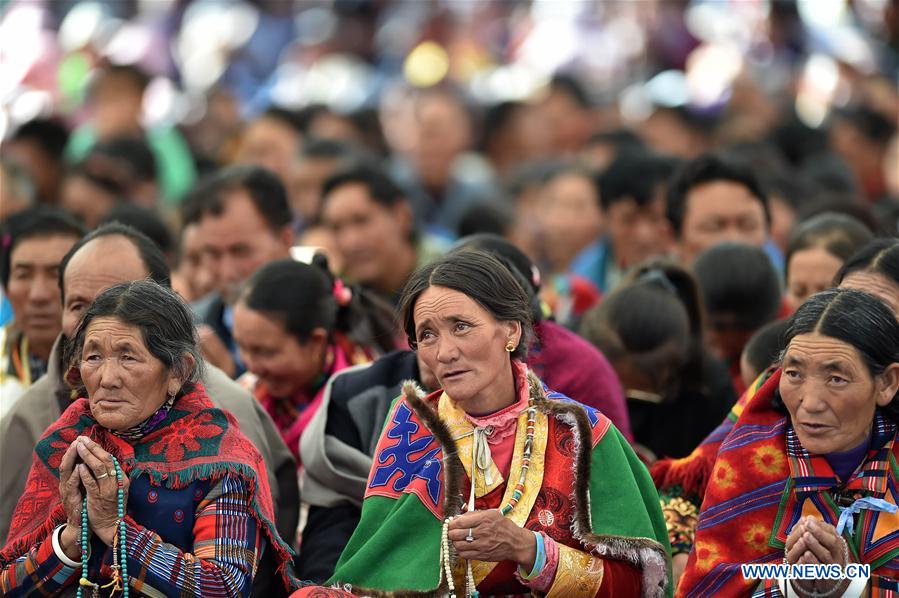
[58, 550]
[539, 560]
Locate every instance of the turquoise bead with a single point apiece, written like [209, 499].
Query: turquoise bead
[122, 534]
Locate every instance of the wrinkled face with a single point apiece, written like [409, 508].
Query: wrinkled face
[875, 284]
[638, 232]
[830, 394]
[125, 383]
[808, 272]
[282, 362]
[720, 211]
[95, 267]
[371, 238]
[33, 287]
[271, 144]
[570, 216]
[463, 345]
[237, 242]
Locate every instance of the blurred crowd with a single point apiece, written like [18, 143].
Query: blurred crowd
[676, 177]
[593, 136]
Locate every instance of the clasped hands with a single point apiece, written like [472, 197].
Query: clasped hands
[814, 542]
[87, 468]
[495, 539]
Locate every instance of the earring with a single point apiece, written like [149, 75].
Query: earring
[511, 346]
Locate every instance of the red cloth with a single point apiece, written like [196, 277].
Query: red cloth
[558, 480]
[292, 427]
[196, 441]
[572, 366]
[619, 579]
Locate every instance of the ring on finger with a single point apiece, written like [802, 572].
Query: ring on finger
[105, 475]
[469, 537]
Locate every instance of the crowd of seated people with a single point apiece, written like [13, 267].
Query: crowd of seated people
[461, 347]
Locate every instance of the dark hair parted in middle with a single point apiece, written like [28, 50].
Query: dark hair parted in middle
[164, 320]
[482, 278]
[880, 256]
[858, 319]
[303, 297]
[839, 235]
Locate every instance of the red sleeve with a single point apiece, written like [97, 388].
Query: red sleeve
[619, 579]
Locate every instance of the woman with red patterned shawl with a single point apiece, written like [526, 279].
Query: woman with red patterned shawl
[682, 482]
[808, 474]
[495, 485]
[198, 515]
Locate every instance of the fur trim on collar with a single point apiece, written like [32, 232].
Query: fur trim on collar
[644, 553]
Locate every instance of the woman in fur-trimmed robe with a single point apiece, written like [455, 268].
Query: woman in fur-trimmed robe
[560, 504]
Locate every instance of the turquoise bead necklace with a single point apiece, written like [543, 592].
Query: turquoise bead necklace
[119, 557]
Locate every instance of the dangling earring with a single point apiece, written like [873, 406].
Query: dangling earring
[511, 346]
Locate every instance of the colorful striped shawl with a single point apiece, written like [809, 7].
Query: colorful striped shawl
[196, 441]
[763, 481]
[689, 475]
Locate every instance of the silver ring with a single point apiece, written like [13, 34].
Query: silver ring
[469, 537]
[105, 475]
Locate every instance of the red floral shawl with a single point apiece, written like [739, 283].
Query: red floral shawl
[763, 481]
[196, 441]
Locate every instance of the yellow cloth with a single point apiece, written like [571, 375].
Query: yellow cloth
[461, 429]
